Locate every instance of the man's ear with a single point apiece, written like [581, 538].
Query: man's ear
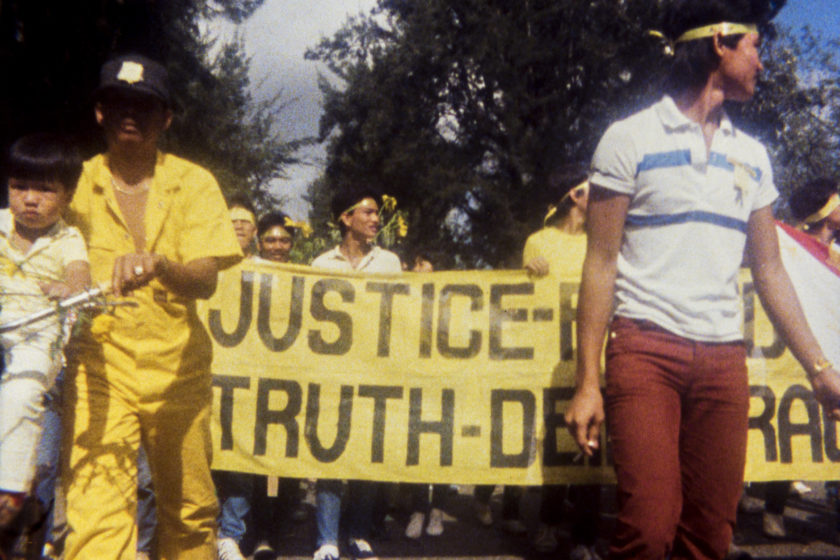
[167, 119]
[717, 41]
[345, 218]
[98, 113]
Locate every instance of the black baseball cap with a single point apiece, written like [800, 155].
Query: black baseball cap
[134, 73]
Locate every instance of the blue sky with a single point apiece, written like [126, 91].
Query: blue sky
[822, 16]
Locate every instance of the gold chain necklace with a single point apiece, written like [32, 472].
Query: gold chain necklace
[142, 187]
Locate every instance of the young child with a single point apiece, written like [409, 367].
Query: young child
[41, 259]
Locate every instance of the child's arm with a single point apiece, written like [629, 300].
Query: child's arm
[76, 279]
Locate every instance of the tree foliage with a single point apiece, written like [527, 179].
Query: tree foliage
[465, 110]
[796, 108]
[51, 52]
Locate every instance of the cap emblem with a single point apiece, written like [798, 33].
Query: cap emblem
[131, 72]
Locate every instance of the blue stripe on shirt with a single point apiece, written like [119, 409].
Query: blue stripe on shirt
[686, 217]
[677, 158]
[664, 159]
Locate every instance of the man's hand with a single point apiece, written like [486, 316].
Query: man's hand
[55, 291]
[537, 266]
[826, 386]
[584, 418]
[135, 270]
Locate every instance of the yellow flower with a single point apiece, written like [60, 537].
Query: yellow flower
[389, 203]
[305, 228]
[402, 227]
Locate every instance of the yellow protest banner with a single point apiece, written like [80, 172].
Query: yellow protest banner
[446, 377]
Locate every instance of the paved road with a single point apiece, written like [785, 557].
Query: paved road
[811, 521]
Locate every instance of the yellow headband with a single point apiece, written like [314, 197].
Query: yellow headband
[724, 28]
[822, 213]
[284, 235]
[552, 208]
[238, 213]
[362, 202]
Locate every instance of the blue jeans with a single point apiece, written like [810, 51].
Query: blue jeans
[146, 510]
[361, 496]
[49, 444]
[234, 490]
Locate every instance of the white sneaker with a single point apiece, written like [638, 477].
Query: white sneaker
[326, 552]
[360, 549]
[227, 549]
[435, 527]
[415, 525]
[800, 488]
[773, 525]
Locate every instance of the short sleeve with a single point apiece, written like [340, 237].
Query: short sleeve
[207, 229]
[73, 247]
[615, 160]
[767, 192]
[530, 251]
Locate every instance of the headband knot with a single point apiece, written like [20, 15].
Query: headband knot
[668, 47]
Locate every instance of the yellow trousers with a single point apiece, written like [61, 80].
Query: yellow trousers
[110, 407]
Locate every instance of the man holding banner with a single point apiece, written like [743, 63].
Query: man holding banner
[677, 193]
[357, 215]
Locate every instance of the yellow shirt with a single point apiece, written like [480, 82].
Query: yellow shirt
[186, 219]
[563, 251]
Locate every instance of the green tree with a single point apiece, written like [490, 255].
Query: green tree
[51, 52]
[466, 109]
[796, 108]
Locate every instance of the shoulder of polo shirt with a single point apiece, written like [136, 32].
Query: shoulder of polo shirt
[670, 115]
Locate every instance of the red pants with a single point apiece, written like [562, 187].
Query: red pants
[677, 420]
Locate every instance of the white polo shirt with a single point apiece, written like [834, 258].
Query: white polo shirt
[377, 260]
[686, 225]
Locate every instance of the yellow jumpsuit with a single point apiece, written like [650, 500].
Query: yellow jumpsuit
[143, 373]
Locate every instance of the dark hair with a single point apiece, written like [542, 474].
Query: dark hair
[693, 61]
[45, 157]
[811, 196]
[277, 218]
[561, 181]
[346, 198]
[242, 200]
